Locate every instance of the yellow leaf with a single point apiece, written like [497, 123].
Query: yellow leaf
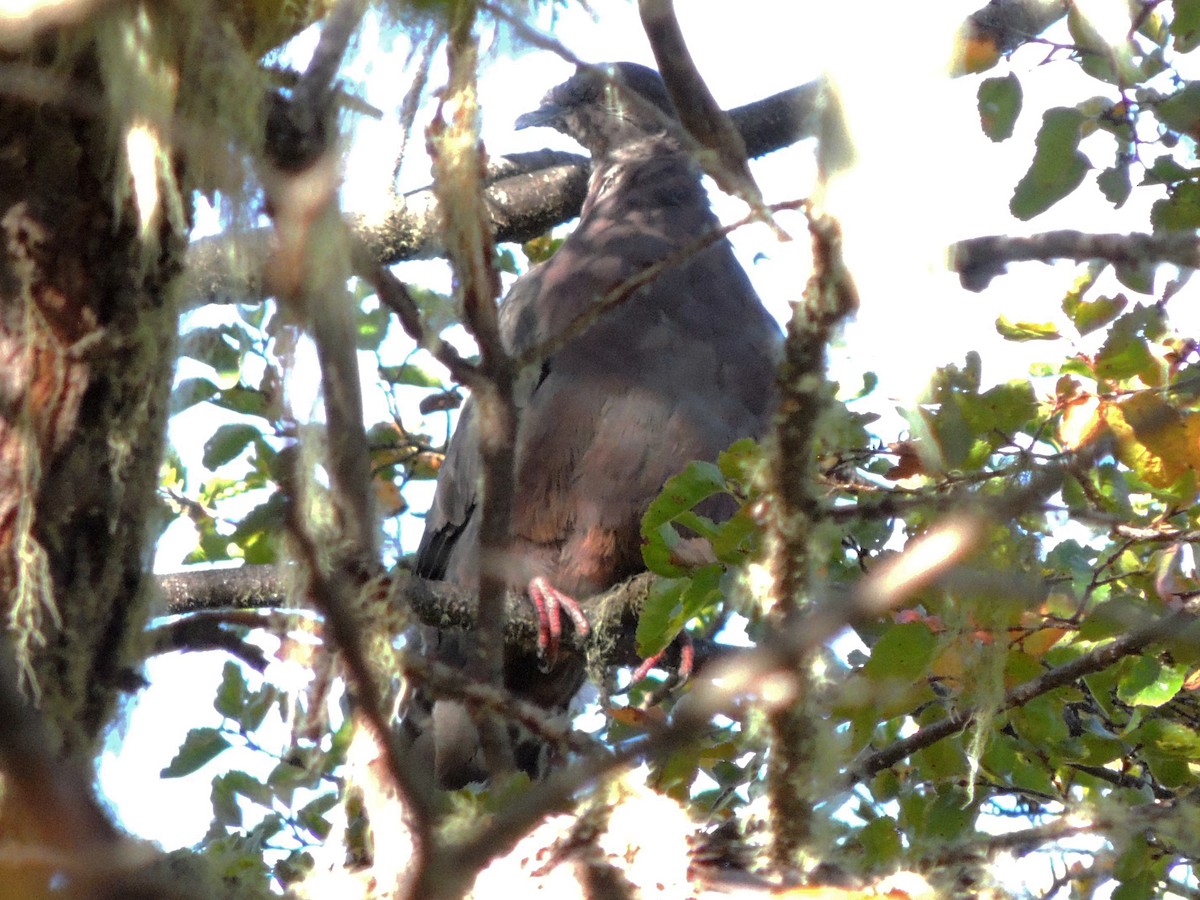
[974, 51]
[1039, 642]
[389, 498]
[1081, 421]
[1155, 439]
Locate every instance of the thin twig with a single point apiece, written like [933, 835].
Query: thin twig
[458, 167]
[332, 597]
[208, 631]
[394, 294]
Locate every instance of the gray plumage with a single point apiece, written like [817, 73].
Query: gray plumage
[678, 371]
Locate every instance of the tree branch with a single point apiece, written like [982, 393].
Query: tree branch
[979, 260]
[435, 603]
[526, 194]
[458, 168]
[208, 631]
[332, 596]
[1096, 661]
[701, 117]
[1007, 24]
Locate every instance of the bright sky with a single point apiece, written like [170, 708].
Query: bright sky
[926, 176]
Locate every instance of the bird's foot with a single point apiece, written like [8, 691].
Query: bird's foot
[687, 659]
[549, 602]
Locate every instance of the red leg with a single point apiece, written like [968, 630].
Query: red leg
[687, 659]
[549, 603]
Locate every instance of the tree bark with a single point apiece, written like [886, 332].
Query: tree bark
[87, 342]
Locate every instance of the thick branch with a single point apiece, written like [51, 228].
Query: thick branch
[1007, 24]
[435, 603]
[527, 193]
[979, 260]
[56, 801]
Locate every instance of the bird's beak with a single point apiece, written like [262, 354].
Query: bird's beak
[543, 117]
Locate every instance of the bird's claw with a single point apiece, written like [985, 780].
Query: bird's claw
[549, 601]
[687, 660]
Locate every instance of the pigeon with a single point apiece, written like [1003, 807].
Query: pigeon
[677, 371]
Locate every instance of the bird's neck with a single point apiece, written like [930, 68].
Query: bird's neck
[653, 171]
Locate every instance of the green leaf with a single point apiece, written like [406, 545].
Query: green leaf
[1115, 185]
[311, 816]
[1026, 331]
[241, 399]
[1146, 682]
[999, 106]
[654, 623]
[287, 775]
[1137, 887]
[506, 261]
[1074, 559]
[1137, 276]
[409, 374]
[1058, 167]
[1168, 738]
[1171, 773]
[257, 706]
[870, 381]
[228, 443]
[903, 653]
[221, 347]
[1032, 776]
[1185, 27]
[340, 742]
[248, 786]
[189, 392]
[741, 460]
[1003, 408]
[667, 611]
[200, 747]
[1040, 721]
[1124, 355]
[226, 809]
[696, 483]
[1100, 751]
[951, 818]
[880, 842]
[295, 866]
[212, 547]
[270, 826]
[1096, 57]
[372, 327]
[257, 530]
[735, 539]
[1092, 316]
[1181, 111]
[231, 695]
[541, 248]
[1166, 170]
[1180, 211]
[953, 435]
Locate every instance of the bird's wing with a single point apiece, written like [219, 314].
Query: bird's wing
[451, 523]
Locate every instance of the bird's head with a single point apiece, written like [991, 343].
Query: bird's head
[606, 107]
